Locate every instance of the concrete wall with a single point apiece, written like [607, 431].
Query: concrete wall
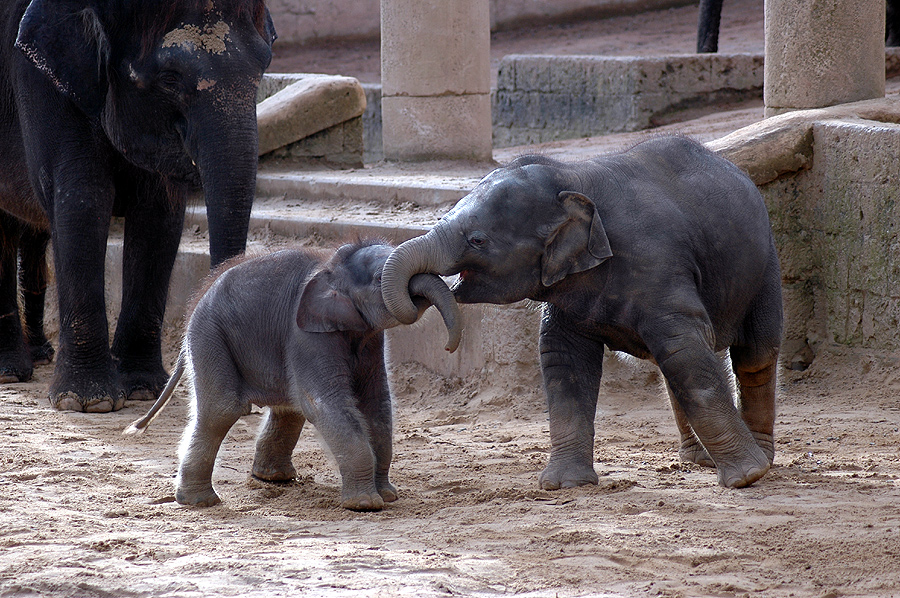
[308, 21]
[545, 98]
[836, 226]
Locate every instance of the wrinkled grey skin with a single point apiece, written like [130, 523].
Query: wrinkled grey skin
[118, 108]
[664, 252]
[305, 339]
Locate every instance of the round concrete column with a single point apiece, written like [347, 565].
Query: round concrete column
[436, 80]
[823, 52]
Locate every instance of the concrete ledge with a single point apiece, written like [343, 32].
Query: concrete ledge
[312, 118]
[830, 179]
[365, 185]
[783, 144]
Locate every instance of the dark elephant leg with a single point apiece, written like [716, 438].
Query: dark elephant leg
[571, 365]
[275, 445]
[708, 26]
[85, 378]
[33, 281]
[153, 225]
[375, 405]
[892, 24]
[15, 360]
[696, 377]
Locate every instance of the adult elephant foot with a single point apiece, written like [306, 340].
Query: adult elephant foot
[567, 475]
[142, 381]
[87, 391]
[15, 366]
[41, 352]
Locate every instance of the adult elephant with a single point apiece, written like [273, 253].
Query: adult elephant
[664, 252]
[118, 107]
[711, 17]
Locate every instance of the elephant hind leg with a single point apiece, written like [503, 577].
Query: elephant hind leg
[756, 383]
[690, 450]
[755, 363]
[33, 281]
[15, 359]
[275, 445]
[698, 382]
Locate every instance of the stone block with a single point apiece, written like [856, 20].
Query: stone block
[305, 107]
[434, 48]
[806, 69]
[444, 127]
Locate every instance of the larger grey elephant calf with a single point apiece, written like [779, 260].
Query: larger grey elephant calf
[303, 337]
[664, 252]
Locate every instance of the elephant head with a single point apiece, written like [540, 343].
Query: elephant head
[345, 295]
[173, 86]
[521, 231]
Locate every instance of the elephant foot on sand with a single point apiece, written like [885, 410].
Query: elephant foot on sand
[87, 391]
[204, 497]
[15, 366]
[567, 475]
[41, 352]
[142, 382]
[273, 472]
[364, 501]
[692, 451]
[745, 472]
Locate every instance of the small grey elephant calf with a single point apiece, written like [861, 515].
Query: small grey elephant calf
[304, 337]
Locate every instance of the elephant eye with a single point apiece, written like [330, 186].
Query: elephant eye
[170, 78]
[477, 240]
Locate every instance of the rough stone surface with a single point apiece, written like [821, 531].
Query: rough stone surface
[305, 21]
[545, 98]
[307, 106]
[437, 127]
[807, 68]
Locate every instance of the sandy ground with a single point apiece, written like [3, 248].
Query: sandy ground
[85, 511]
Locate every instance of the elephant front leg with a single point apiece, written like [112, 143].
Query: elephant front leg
[375, 405]
[153, 225]
[690, 450]
[696, 379]
[275, 445]
[85, 378]
[571, 365]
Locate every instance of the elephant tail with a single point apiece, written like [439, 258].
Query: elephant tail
[138, 426]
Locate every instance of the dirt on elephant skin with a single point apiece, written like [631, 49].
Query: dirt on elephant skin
[85, 511]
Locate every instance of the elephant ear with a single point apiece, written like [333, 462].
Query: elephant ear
[326, 309]
[67, 42]
[576, 241]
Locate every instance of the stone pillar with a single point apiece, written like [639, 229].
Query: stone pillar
[823, 52]
[436, 80]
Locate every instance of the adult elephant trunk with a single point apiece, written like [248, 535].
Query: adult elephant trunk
[421, 254]
[226, 154]
[434, 289]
